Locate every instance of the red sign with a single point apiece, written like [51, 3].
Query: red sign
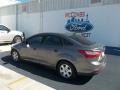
[75, 14]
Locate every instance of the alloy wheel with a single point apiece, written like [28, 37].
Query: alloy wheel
[15, 56]
[65, 71]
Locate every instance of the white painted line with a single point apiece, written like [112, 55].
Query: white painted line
[16, 81]
[5, 48]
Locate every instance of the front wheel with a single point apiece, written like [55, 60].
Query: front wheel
[15, 55]
[66, 70]
[17, 39]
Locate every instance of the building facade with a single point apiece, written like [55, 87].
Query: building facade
[97, 20]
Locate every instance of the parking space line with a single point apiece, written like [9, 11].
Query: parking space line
[18, 80]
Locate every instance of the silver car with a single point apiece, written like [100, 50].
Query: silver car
[70, 55]
[10, 36]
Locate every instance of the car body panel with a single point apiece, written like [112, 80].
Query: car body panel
[51, 55]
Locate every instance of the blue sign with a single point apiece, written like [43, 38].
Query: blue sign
[78, 24]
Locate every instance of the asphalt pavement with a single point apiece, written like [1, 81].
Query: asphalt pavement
[109, 79]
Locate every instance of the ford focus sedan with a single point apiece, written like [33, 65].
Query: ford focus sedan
[70, 55]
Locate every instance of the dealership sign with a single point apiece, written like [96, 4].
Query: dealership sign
[78, 22]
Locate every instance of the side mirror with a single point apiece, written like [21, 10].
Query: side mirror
[27, 43]
[24, 41]
[8, 30]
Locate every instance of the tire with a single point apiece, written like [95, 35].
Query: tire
[15, 56]
[17, 39]
[66, 70]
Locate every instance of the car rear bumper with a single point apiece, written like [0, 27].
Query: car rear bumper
[92, 71]
[91, 67]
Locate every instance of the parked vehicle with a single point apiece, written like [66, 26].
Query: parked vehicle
[70, 55]
[10, 36]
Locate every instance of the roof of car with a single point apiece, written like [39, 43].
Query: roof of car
[65, 35]
[59, 34]
[47, 33]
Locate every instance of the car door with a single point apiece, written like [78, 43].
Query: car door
[50, 49]
[29, 52]
[4, 33]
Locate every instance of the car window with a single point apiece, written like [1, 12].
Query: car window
[52, 41]
[67, 42]
[3, 28]
[82, 40]
[35, 40]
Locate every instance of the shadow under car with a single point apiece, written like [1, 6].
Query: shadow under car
[42, 71]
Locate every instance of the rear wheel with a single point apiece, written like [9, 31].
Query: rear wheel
[17, 39]
[15, 55]
[66, 70]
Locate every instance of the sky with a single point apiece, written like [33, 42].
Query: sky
[10, 2]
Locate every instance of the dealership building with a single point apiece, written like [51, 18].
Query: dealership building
[98, 20]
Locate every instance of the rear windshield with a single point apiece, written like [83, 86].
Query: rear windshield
[81, 40]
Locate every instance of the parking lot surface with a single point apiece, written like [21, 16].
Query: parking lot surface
[27, 75]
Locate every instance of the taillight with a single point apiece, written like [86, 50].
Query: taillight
[91, 53]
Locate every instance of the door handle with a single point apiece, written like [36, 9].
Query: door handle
[55, 50]
[35, 48]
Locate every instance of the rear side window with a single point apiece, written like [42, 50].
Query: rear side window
[82, 40]
[67, 42]
[52, 40]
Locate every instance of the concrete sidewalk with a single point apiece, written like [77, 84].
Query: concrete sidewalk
[3, 86]
[10, 80]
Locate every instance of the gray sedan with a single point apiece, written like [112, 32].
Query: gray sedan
[70, 55]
